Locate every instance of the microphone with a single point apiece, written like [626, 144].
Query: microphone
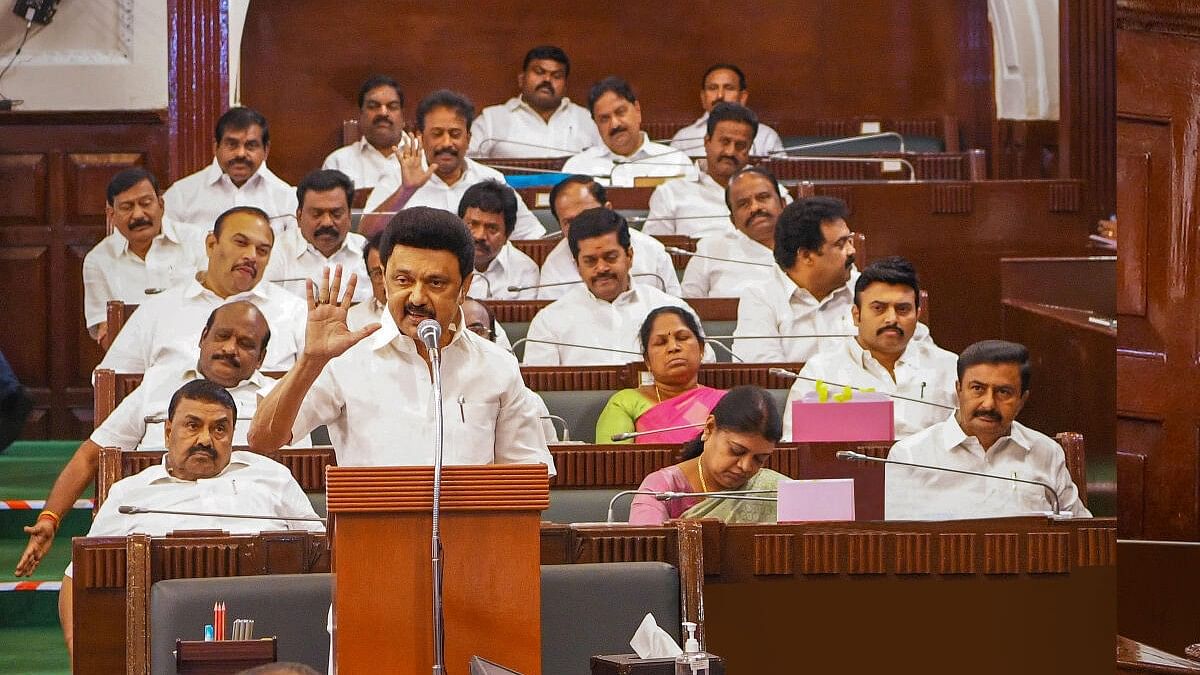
[747, 495]
[486, 281]
[494, 141]
[693, 254]
[518, 289]
[133, 510]
[430, 333]
[626, 435]
[841, 141]
[161, 417]
[566, 436]
[796, 376]
[568, 344]
[851, 456]
[156, 291]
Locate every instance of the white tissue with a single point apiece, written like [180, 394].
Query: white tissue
[652, 642]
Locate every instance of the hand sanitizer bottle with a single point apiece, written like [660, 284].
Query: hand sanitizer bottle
[692, 661]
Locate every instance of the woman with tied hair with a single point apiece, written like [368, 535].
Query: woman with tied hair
[738, 438]
[672, 347]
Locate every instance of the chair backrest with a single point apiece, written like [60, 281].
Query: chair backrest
[117, 315]
[580, 409]
[585, 505]
[292, 607]
[614, 598]
[1073, 446]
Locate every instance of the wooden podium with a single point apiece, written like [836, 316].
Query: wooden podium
[380, 523]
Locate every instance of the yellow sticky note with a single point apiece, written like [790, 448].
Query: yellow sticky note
[822, 392]
[845, 395]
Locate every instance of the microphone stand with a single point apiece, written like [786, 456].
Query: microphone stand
[439, 628]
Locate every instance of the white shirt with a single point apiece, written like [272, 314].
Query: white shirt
[250, 483]
[650, 257]
[923, 494]
[650, 160]
[924, 371]
[438, 195]
[293, 257]
[127, 428]
[690, 139]
[581, 318]
[377, 401]
[364, 164]
[199, 198]
[510, 267]
[171, 322]
[113, 272]
[515, 129]
[706, 278]
[778, 307]
[364, 313]
[692, 206]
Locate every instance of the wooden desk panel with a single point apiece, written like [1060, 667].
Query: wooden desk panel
[1158, 591]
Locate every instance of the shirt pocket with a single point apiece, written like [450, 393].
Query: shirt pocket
[471, 428]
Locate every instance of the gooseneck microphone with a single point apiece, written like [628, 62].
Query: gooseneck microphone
[666, 496]
[626, 435]
[781, 372]
[692, 254]
[851, 456]
[430, 332]
[568, 344]
[566, 435]
[662, 284]
[128, 509]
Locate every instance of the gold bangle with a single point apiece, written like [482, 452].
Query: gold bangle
[46, 513]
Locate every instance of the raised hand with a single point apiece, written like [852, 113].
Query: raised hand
[327, 335]
[410, 155]
[41, 536]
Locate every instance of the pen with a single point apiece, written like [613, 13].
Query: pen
[462, 414]
[922, 390]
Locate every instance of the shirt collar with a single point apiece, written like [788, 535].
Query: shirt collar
[951, 436]
[159, 474]
[642, 151]
[806, 296]
[214, 173]
[365, 146]
[194, 289]
[517, 102]
[389, 334]
[861, 355]
[500, 262]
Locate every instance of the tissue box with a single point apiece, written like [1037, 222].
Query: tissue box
[866, 417]
[630, 664]
[816, 500]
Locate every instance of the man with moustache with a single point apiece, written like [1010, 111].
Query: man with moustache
[372, 157]
[200, 472]
[808, 293]
[239, 249]
[723, 82]
[232, 346]
[604, 314]
[444, 122]
[370, 311]
[540, 121]
[697, 207]
[627, 152]
[238, 176]
[982, 436]
[489, 210]
[323, 238]
[652, 265]
[348, 380]
[726, 264]
[884, 356]
[144, 250]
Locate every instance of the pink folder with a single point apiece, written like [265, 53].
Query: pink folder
[866, 417]
[809, 500]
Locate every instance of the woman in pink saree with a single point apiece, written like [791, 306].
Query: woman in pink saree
[672, 346]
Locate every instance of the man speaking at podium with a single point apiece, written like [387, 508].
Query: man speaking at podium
[373, 386]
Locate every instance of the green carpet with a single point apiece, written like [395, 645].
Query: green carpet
[33, 651]
[28, 468]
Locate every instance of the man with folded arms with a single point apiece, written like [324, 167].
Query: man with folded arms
[753, 197]
[239, 250]
[200, 472]
[323, 238]
[810, 291]
[723, 82]
[489, 210]
[372, 158]
[884, 355]
[627, 152]
[652, 265]
[982, 436]
[697, 207]
[238, 176]
[540, 121]
[607, 310]
[145, 250]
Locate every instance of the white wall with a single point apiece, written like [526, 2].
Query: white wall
[1025, 44]
[94, 55]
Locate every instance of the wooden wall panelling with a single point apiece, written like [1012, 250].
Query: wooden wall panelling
[1025, 149]
[919, 59]
[1087, 100]
[197, 79]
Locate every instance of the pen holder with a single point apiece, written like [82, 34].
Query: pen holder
[223, 656]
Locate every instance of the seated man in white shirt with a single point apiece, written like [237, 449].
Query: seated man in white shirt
[540, 121]
[489, 210]
[372, 157]
[239, 250]
[884, 355]
[982, 436]
[728, 263]
[602, 316]
[238, 176]
[371, 387]
[652, 265]
[627, 152]
[200, 472]
[810, 291]
[697, 207]
[232, 346]
[723, 82]
[323, 238]
[144, 250]
[371, 310]
[444, 123]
